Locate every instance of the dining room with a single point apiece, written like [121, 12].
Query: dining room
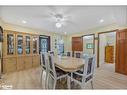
[57, 47]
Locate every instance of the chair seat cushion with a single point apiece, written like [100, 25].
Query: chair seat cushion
[88, 78]
[80, 71]
[60, 72]
[79, 78]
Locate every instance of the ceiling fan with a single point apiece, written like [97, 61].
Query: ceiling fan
[59, 19]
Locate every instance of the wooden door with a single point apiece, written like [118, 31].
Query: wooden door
[109, 54]
[77, 44]
[125, 53]
[121, 52]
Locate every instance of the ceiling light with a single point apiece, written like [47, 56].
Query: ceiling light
[65, 33]
[58, 25]
[101, 20]
[24, 21]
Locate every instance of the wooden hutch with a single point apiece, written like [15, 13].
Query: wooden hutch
[20, 51]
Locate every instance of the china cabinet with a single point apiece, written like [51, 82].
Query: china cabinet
[20, 51]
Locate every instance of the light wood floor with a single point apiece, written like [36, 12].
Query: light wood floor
[105, 78]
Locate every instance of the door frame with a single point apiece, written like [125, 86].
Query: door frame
[98, 44]
[47, 37]
[93, 40]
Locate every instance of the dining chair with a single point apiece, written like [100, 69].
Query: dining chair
[44, 64]
[54, 72]
[51, 52]
[73, 53]
[84, 55]
[69, 54]
[78, 54]
[86, 76]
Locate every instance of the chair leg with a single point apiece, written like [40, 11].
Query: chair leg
[71, 76]
[68, 82]
[46, 81]
[54, 85]
[41, 77]
[92, 84]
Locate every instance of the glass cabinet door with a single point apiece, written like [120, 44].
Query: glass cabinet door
[44, 44]
[27, 44]
[20, 44]
[10, 44]
[35, 43]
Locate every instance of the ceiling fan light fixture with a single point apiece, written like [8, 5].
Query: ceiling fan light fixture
[24, 22]
[58, 25]
[65, 33]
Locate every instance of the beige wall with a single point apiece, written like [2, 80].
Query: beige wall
[1, 22]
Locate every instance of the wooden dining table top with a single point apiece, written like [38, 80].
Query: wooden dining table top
[68, 64]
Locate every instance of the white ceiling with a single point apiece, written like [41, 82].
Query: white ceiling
[79, 18]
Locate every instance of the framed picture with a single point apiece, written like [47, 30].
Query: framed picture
[89, 46]
[1, 34]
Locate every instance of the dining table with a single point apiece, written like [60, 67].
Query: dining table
[69, 64]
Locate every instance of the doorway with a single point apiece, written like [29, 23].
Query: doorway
[89, 44]
[44, 43]
[106, 50]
